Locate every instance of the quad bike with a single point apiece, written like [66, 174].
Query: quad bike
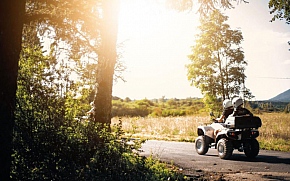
[239, 132]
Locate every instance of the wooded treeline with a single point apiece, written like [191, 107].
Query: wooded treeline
[183, 107]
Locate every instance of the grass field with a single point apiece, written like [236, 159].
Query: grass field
[274, 133]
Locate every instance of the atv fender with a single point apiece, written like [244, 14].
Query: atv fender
[221, 134]
[205, 130]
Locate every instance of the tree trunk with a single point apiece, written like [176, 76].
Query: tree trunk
[221, 75]
[11, 15]
[106, 61]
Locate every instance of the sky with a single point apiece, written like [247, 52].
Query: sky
[156, 43]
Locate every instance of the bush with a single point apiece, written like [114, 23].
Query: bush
[84, 151]
[165, 108]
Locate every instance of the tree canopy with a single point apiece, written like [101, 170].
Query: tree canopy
[280, 10]
[217, 60]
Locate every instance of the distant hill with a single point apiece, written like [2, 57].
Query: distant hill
[283, 97]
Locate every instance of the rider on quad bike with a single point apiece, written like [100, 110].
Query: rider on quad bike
[228, 110]
[239, 131]
[239, 110]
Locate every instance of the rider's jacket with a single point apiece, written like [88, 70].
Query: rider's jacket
[240, 111]
[227, 112]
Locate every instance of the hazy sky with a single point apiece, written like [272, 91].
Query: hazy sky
[157, 41]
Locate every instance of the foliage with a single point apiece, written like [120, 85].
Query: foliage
[184, 107]
[164, 107]
[71, 40]
[280, 10]
[73, 23]
[78, 35]
[53, 142]
[204, 7]
[212, 104]
[217, 60]
[49, 144]
[81, 152]
[268, 106]
[120, 108]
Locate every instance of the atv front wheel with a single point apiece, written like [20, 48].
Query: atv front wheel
[225, 148]
[251, 148]
[201, 146]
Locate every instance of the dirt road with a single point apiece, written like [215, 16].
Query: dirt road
[268, 165]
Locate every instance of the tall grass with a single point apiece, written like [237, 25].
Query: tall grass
[274, 133]
[163, 128]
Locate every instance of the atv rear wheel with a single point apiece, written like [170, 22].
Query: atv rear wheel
[251, 148]
[225, 148]
[201, 146]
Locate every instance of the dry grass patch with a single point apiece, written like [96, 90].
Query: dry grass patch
[274, 133]
[165, 128]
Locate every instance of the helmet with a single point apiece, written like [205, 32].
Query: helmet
[237, 101]
[227, 103]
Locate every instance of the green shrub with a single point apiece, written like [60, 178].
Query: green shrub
[164, 108]
[82, 152]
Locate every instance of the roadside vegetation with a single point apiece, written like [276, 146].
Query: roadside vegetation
[52, 141]
[274, 133]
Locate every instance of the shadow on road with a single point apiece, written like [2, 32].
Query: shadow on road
[261, 158]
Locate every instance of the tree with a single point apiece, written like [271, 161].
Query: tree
[12, 19]
[87, 33]
[11, 23]
[217, 60]
[280, 10]
[106, 61]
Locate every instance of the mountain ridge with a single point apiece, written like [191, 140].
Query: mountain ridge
[283, 97]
